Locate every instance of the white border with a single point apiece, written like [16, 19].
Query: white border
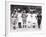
[21, 3]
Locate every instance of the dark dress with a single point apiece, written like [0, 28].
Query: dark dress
[39, 20]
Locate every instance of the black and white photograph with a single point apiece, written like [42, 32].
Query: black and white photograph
[22, 18]
[25, 17]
